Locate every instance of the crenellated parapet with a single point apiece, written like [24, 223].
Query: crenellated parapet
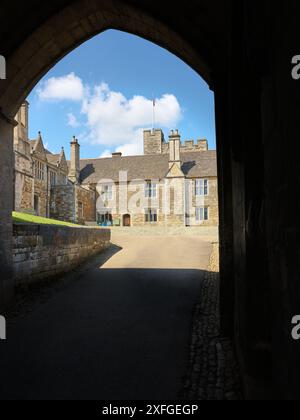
[188, 146]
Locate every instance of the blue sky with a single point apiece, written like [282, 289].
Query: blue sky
[103, 93]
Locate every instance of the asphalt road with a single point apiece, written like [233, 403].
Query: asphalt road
[118, 330]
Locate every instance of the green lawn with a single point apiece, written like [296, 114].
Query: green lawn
[28, 218]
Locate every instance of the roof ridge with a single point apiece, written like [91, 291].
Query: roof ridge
[198, 153]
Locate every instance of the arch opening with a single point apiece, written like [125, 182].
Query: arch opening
[60, 34]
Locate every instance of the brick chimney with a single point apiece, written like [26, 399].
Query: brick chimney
[75, 161]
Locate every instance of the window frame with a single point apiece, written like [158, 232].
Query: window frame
[39, 170]
[151, 189]
[201, 217]
[202, 187]
[151, 216]
[53, 177]
[107, 192]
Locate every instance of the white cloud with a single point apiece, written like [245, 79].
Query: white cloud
[106, 154]
[132, 149]
[112, 120]
[72, 120]
[118, 122]
[69, 87]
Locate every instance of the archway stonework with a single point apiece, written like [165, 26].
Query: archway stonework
[240, 50]
[72, 26]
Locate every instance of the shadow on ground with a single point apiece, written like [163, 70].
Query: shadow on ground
[107, 334]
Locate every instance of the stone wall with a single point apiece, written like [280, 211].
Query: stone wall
[73, 203]
[42, 192]
[6, 207]
[23, 184]
[62, 205]
[41, 251]
[85, 205]
[153, 142]
[23, 175]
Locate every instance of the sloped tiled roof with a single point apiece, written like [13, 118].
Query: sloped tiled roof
[194, 165]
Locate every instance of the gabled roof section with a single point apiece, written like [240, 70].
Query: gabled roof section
[63, 161]
[37, 148]
[175, 171]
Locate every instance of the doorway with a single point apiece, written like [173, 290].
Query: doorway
[37, 205]
[105, 219]
[127, 220]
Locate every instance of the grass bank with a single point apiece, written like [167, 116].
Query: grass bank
[29, 218]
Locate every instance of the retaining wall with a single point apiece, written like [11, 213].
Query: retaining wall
[43, 251]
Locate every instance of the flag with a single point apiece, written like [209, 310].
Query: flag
[154, 105]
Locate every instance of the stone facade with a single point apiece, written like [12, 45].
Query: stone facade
[85, 204]
[44, 186]
[63, 200]
[172, 184]
[36, 169]
[183, 179]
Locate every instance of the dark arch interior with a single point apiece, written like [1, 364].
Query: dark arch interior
[240, 50]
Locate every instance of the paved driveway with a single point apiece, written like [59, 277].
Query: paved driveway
[118, 330]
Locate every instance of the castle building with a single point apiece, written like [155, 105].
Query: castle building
[171, 184]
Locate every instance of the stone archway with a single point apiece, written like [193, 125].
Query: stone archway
[243, 50]
[46, 33]
[74, 24]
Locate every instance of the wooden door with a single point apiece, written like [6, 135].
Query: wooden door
[127, 220]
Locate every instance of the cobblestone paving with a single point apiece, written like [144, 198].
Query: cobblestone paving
[212, 372]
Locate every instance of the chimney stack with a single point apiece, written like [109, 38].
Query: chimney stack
[117, 155]
[75, 161]
[174, 147]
